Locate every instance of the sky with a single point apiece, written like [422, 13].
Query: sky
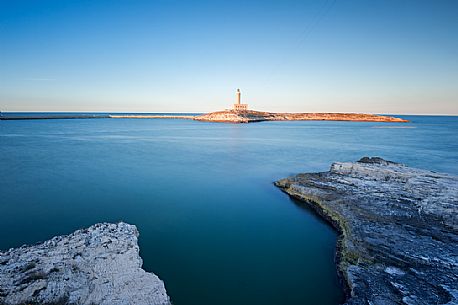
[395, 57]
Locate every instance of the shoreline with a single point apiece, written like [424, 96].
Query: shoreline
[377, 257]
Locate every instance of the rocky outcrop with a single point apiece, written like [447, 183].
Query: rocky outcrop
[248, 116]
[399, 225]
[98, 265]
[232, 116]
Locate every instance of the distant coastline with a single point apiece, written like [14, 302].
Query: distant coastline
[226, 116]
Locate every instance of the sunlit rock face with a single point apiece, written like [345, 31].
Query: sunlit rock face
[98, 265]
[399, 225]
[248, 116]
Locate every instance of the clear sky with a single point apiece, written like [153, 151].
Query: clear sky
[396, 56]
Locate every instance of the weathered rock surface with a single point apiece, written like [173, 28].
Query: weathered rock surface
[399, 225]
[248, 116]
[98, 265]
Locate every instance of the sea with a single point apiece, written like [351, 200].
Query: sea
[212, 225]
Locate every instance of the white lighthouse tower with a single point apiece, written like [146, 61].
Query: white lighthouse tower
[237, 105]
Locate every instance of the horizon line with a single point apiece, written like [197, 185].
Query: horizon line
[195, 112]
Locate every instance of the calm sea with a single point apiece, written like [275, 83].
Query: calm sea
[212, 225]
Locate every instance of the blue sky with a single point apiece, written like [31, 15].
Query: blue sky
[190, 56]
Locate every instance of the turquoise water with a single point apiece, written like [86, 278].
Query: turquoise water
[211, 223]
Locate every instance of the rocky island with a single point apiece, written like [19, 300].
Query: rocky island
[241, 114]
[398, 229]
[98, 265]
[238, 114]
[249, 116]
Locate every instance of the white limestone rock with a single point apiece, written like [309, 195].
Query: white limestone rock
[98, 265]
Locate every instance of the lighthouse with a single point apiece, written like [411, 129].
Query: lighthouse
[238, 106]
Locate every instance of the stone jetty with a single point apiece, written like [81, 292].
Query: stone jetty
[98, 265]
[398, 225]
[151, 116]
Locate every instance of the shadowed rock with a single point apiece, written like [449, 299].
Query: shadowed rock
[98, 265]
[399, 225]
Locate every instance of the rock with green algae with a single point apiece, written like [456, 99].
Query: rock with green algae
[399, 229]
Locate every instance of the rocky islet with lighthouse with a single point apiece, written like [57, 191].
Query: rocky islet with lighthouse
[239, 113]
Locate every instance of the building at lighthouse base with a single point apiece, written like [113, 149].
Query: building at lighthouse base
[240, 107]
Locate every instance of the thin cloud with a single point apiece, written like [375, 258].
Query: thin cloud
[37, 79]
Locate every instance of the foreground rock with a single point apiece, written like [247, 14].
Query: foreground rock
[98, 265]
[248, 116]
[399, 225]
